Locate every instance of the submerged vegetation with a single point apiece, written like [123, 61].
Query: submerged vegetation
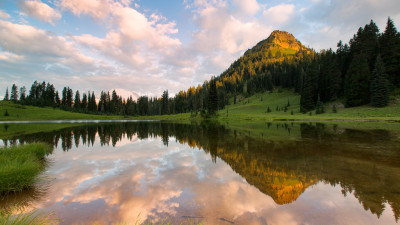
[21, 165]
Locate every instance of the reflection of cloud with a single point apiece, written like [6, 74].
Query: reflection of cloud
[109, 185]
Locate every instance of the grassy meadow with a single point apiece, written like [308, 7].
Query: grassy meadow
[254, 107]
[19, 112]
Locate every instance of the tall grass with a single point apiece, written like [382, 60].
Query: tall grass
[32, 218]
[20, 166]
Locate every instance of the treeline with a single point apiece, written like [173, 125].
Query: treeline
[364, 71]
[44, 94]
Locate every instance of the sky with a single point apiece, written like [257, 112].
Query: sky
[143, 47]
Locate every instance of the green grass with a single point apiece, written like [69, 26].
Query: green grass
[20, 166]
[19, 112]
[255, 107]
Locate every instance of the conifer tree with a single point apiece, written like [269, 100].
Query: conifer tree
[6, 96]
[357, 82]
[22, 95]
[213, 98]
[379, 85]
[70, 94]
[165, 103]
[64, 97]
[77, 100]
[84, 102]
[14, 93]
[390, 52]
[57, 99]
[92, 105]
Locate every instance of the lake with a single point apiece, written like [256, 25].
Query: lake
[246, 172]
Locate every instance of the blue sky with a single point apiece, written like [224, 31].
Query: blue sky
[144, 47]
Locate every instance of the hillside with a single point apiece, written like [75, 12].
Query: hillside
[279, 40]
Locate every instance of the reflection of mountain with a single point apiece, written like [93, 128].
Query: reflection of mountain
[283, 187]
[364, 163]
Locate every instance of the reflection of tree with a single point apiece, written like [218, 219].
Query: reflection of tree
[364, 163]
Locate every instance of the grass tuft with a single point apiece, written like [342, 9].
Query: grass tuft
[20, 166]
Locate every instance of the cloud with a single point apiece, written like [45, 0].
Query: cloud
[324, 23]
[249, 7]
[40, 11]
[4, 15]
[28, 53]
[95, 8]
[10, 57]
[279, 14]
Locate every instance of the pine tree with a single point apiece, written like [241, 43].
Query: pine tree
[22, 95]
[92, 105]
[70, 94]
[390, 52]
[14, 93]
[379, 85]
[165, 103]
[84, 102]
[357, 82]
[213, 98]
[6, 97]
[57, 99]
[64, 97]
[77, 100]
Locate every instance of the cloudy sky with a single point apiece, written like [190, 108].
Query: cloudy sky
[146, 46]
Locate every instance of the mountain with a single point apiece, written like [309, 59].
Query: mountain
[271, 63]
[279, 40]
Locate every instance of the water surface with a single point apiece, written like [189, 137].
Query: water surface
[257, 173]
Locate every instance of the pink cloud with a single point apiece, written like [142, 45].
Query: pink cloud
[95, 8]
[40, 11]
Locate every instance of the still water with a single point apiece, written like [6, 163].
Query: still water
[244, 173]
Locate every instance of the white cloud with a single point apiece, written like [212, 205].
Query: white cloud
[33, 45]
[249, 7]
[279, 14]
[40, 11]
